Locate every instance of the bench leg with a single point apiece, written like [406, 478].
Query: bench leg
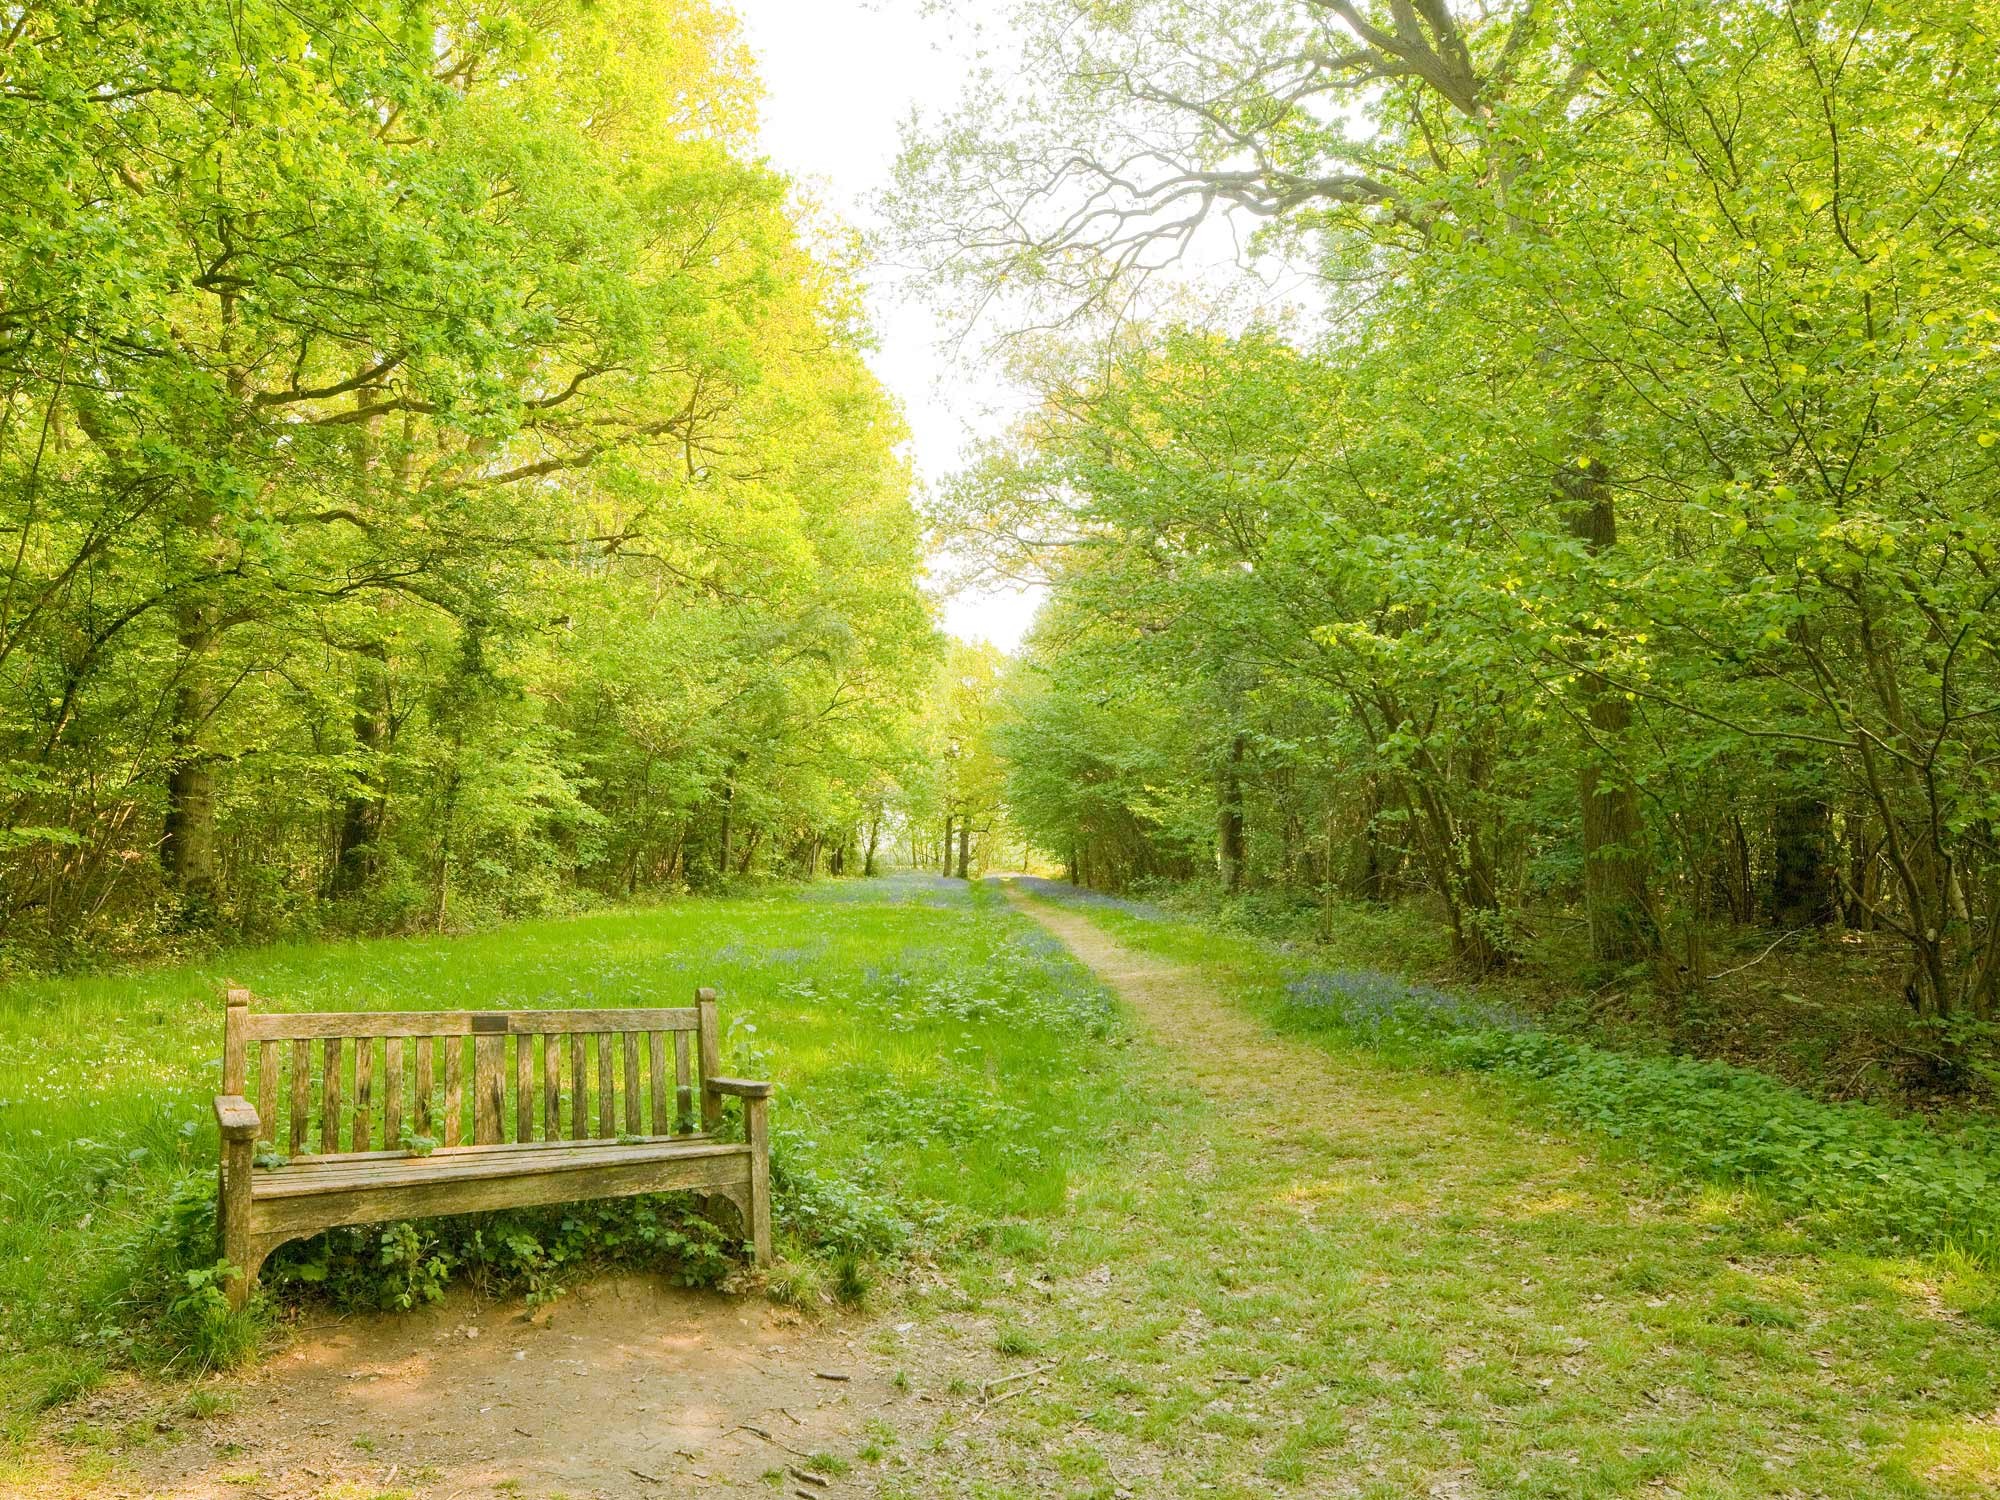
[232, 1219]
[757, 1127]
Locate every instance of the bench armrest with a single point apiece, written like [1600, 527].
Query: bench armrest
[236, 1117]
[741, 1088]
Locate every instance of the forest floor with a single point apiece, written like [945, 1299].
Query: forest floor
[1275, 1266]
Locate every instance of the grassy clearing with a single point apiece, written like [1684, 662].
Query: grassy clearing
[933, 1049]
[1319, 1270]
[1201, 1258]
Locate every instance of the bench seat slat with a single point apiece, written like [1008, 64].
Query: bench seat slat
[608, 1174]
[683, 1085]
[278, 1025]
[378, 1169]
[629, 1050]
[361, 1137]
[329, 1104]
[267, 1091]
[524, 1088]
[447, 1153]
[426, 1050]
[392, 1091]
[489, 1089]
[606, 1123]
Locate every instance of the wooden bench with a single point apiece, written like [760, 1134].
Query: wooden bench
[642, 1137]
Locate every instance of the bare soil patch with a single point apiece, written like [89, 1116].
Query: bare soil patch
[625, 1387]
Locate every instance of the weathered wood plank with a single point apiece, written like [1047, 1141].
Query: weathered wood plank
[301, 1095]
[426, 1049]
[508, 1157]
[489, 1088]
[579, 1090]
[711, 1057]
[392, 1091]
[756, 1126]
[454, 1089]
[629, 1050]
[606, 1103]
[329, 1098]
[308, 1212]
[267, 1091]
[551, 1089]
[683, 1085]
[656, 1060]
[524, 1088]
[235, 1038]
[364, 1092]
[284, 1025]
[361, 1161]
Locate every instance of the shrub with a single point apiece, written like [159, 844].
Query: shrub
[531, 1252]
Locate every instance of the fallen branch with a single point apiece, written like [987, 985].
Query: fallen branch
[988, 1387]
[774, 1442]
[1760, 957]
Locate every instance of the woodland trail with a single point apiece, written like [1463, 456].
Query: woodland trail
[1236, 1059]
[1362, 1279]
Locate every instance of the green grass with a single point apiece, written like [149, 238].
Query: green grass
[932, 1049]
[1212, 1259]
[1318, 1269]
[1861, 1174]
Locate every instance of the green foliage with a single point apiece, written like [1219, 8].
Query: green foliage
[1871, 1178]
[1620, 540]
[162, 1298]
[532, 1254]
[441, 477]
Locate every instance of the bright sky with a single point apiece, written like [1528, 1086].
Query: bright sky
[840, 76]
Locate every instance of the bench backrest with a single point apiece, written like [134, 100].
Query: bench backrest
[318, 1071]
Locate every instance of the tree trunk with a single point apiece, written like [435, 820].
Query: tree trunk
[874, 833]
[1229, 818]
[1864, 873]
[188, 846]
[361, 814]
[947, 845]
[722, 838]
[1802, 892]
[1616, 898]
[964, 847]
[1369, 876]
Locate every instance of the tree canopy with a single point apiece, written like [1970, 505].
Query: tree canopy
[438, 472]
[1621, 538]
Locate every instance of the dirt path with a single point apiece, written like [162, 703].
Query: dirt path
[1177, 1005]
[623, 1388]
